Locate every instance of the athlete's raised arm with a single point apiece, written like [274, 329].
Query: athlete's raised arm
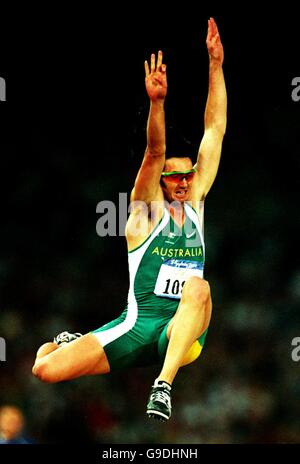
[215, 116]
[147, 186]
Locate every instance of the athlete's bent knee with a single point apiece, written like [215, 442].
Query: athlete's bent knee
[41, 371]
[196, 289]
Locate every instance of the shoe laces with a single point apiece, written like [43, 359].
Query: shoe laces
[161, 395]
[66, 337]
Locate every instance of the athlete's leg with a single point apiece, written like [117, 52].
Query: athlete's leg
[83, 356]
[190, 321]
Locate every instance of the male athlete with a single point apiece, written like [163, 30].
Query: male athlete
[169, 303]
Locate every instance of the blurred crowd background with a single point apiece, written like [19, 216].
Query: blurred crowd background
[72, 135]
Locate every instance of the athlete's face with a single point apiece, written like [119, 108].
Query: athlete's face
[11, 422]
[177, 187]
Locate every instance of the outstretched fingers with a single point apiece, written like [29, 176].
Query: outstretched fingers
[152, 62]
[147, 72]
[213, 41]
[212, 30]
[214, 26]
[156, 77]
[159, 60]
[155, 66]
[209, 31]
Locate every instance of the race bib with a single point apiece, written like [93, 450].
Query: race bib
[173, 274]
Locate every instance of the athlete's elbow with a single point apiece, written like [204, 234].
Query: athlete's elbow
[219, 129]
[156, 151]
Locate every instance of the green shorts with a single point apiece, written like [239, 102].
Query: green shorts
[142, 343]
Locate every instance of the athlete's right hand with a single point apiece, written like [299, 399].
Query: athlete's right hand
[156, 78]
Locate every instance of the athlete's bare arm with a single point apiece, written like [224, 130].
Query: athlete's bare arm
[214, 119]
[147, 184]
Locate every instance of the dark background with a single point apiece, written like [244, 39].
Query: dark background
[72, 135]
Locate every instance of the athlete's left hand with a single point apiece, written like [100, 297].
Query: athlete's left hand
[213, 42]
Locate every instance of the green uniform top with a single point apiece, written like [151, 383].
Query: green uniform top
[159, 267]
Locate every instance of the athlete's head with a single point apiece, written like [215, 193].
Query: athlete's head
[11, 421]
[177, 178]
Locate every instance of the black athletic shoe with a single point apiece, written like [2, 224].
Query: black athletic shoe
[66, 337]
[159, 403]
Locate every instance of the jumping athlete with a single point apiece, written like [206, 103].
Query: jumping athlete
[169, 303]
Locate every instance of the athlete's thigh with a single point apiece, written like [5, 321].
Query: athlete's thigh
[182, 307]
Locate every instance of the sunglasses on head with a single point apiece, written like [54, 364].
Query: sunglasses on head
[178, 176]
